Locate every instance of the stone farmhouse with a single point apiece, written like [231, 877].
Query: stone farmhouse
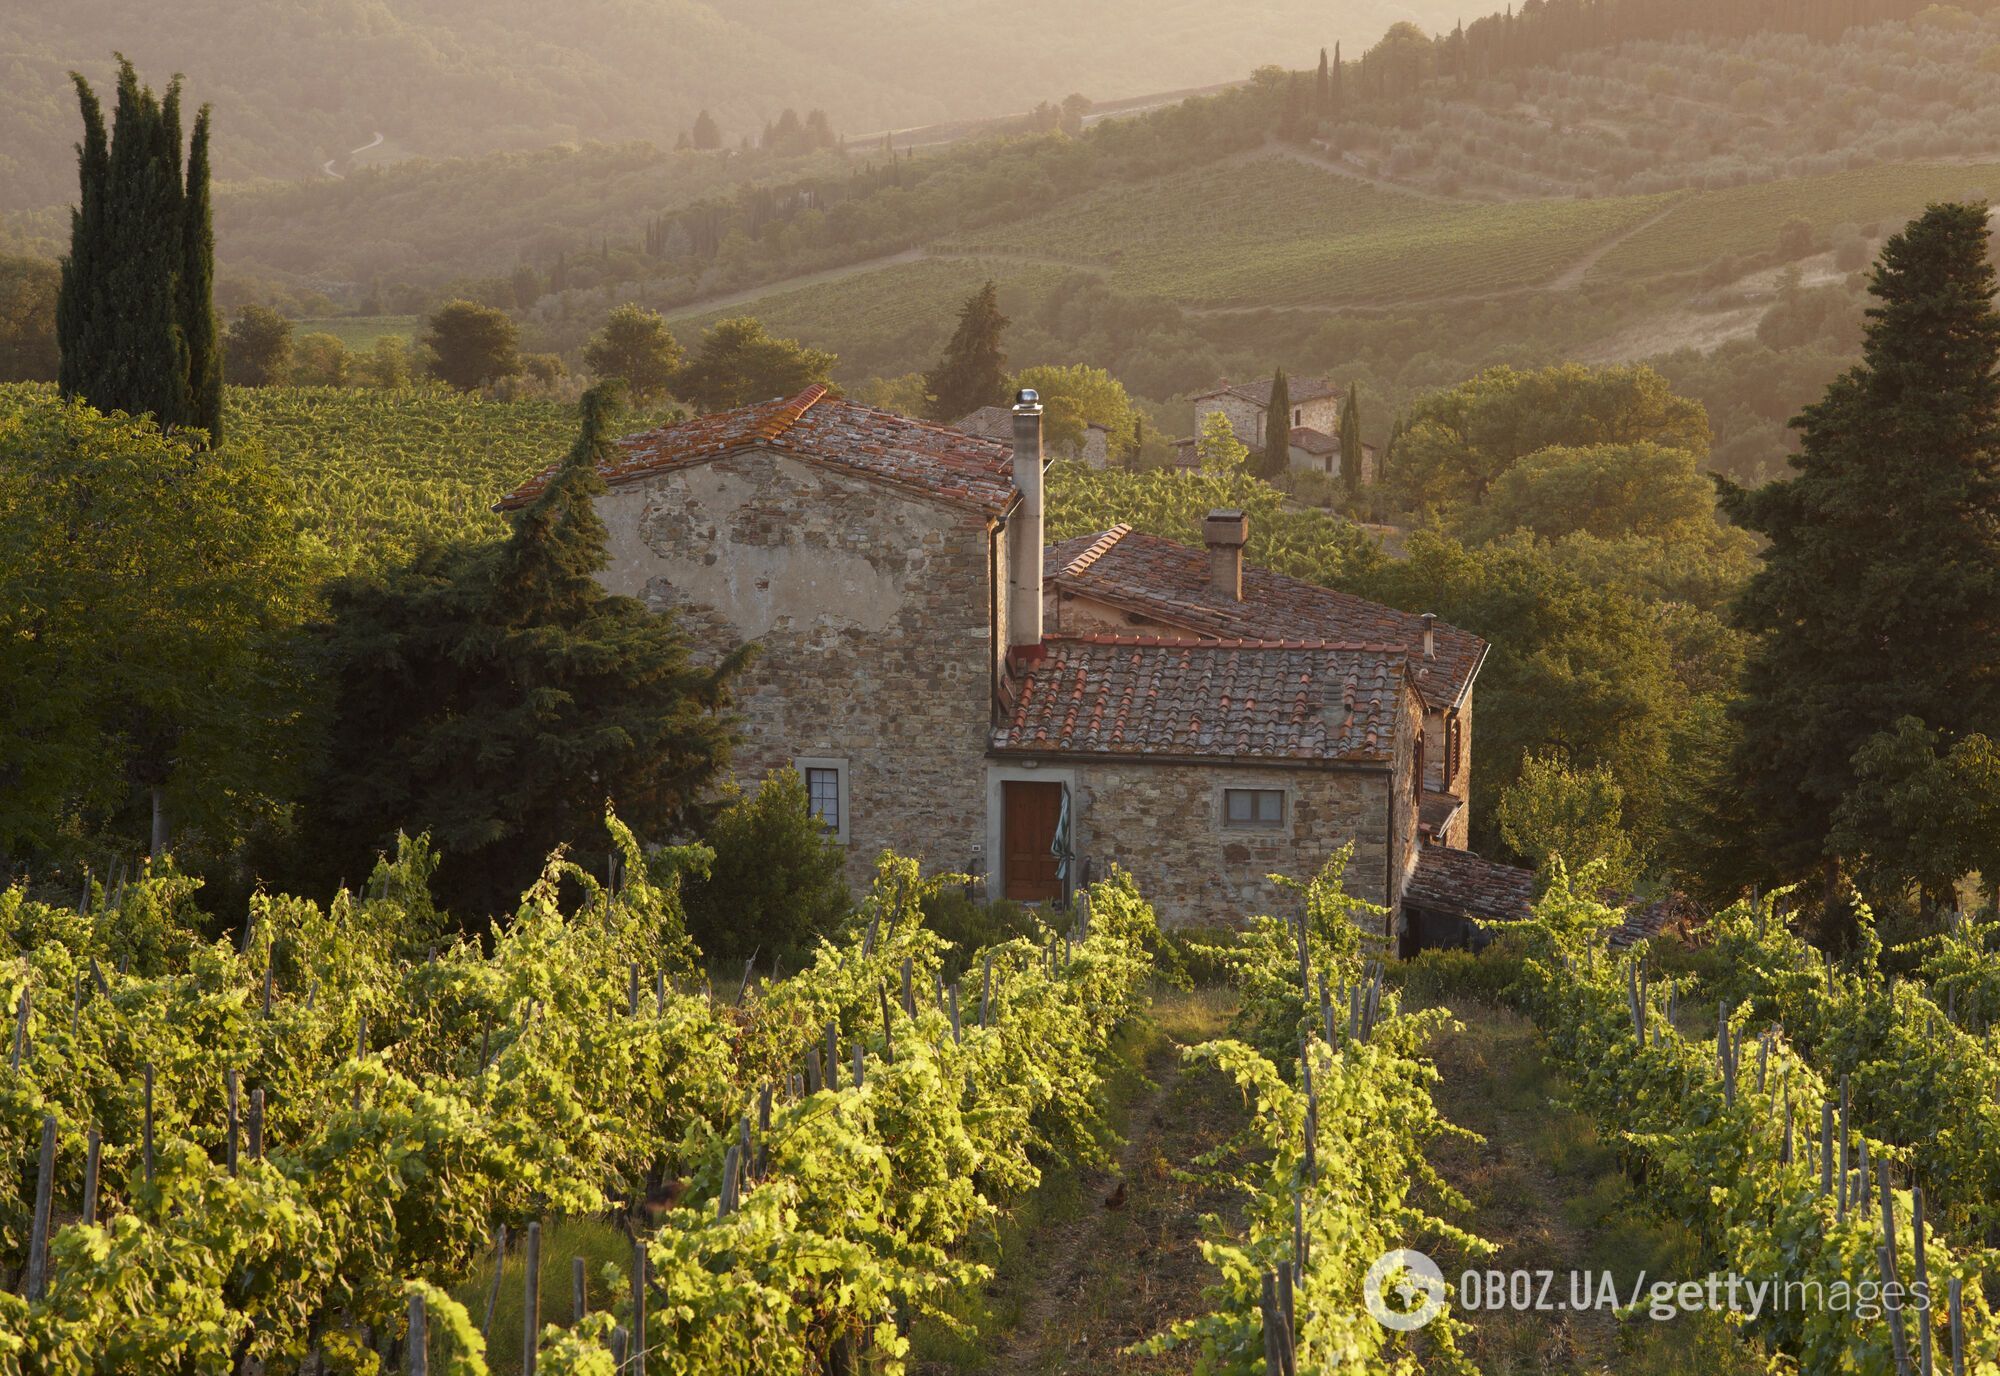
[1315, 423]
[953, 688]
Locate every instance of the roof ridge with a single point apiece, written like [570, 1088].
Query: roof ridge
[1225, 643]
[1097, 550]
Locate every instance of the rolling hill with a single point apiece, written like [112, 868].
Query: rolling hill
[445, 78]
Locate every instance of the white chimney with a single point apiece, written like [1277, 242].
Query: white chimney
[1024, 533]
[1430, 635]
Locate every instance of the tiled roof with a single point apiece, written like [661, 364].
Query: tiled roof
[1168, 582]
[988, 422]
[1457, 881]
[1314, 441]
[1306, 701]
[1435, 811]
[1259, 393]
[933, 459]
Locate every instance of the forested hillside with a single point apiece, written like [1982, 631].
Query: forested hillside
[451, 77]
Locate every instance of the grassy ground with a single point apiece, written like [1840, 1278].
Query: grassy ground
[599, 1244]
[1082, 1271]
[359, 332]
[1550, 1192]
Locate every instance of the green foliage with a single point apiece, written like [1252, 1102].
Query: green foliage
[1305, 543]
[471, 345]
[1573, 815]
[28, 288]
[494, 696]
[737, 363]
[258, 347]
[1344, 1144]
[1352, 447]
[1875, 598]
[636, 347]
[973, 371]
[1459, 443]
[134, 316]
[1734, 1155]
[1076, 397]
[1221, 455]
[143, 586]
[1923, 813]
[777, 878]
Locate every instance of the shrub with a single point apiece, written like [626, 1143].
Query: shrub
[971, 923]
[777, 878]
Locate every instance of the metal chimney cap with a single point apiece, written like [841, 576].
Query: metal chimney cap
[1027, 399]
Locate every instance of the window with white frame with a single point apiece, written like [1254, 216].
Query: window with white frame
[826, 792]
[1253, 808]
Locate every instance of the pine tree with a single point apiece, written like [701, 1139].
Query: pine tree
[1351, 450]
[973, 371]
[1879, 595]
[135, 311]
[1277, 455]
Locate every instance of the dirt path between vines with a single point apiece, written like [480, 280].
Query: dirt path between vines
[1549, 1191]
[1105, 1270]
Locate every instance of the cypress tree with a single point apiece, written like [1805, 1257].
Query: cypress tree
[1337, 96]
[973, 371]
[1322, 87]
[1351, 450]
[135, 316]
[1879, 595]
[1277, 455]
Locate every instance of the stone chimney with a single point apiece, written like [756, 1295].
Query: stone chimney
[1225, 533]
[1430, 635]
[1024, 532]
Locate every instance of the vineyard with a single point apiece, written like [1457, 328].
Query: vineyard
[1273, 232]
[1744, 221]
[1835, 1130]
[276, 1150]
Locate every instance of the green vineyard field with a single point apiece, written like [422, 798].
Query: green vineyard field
[1746, 220]
[1275, 233]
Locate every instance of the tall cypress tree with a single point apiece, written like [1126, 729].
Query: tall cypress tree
[1351, 450]
[1277, 455]
[1879, 595]
[1322, 87]
[135, 316]
[973, 371]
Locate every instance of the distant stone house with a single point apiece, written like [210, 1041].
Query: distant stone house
[997, 423]
[1314, 438]
[955, 690]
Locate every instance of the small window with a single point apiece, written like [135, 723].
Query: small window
[1299, 416]
[826, 793]
[1253, 807]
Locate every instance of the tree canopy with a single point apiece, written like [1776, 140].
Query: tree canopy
[471, 345]
[1878, 596]
[1076, 397]
[494, 696]
[737, 363]
[636, 347]
[134, 313]
[973, 371]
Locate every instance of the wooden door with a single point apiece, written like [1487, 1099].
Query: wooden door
[1027, 831]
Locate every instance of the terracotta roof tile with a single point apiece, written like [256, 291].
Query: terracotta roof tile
[1457, 881]
[1299, 700]
[1168, 582]
[934, 459]
[1314, 441]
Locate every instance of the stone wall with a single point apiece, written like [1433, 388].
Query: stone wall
[870, 609]
[1163, 823]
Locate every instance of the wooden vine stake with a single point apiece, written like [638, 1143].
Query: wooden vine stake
[146, 1125]
[1957, 1327]
[234, 1114]
[38, 1237]
[21, 1029]
[257, 1125]
[493, 1292]
[1922, 1278]
[909, 995]
[888, 1033]
[1898, 1337]
[531, 1298]
[638, 1336]
[418, 1345]
[93, 1150]
[579, 1299]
